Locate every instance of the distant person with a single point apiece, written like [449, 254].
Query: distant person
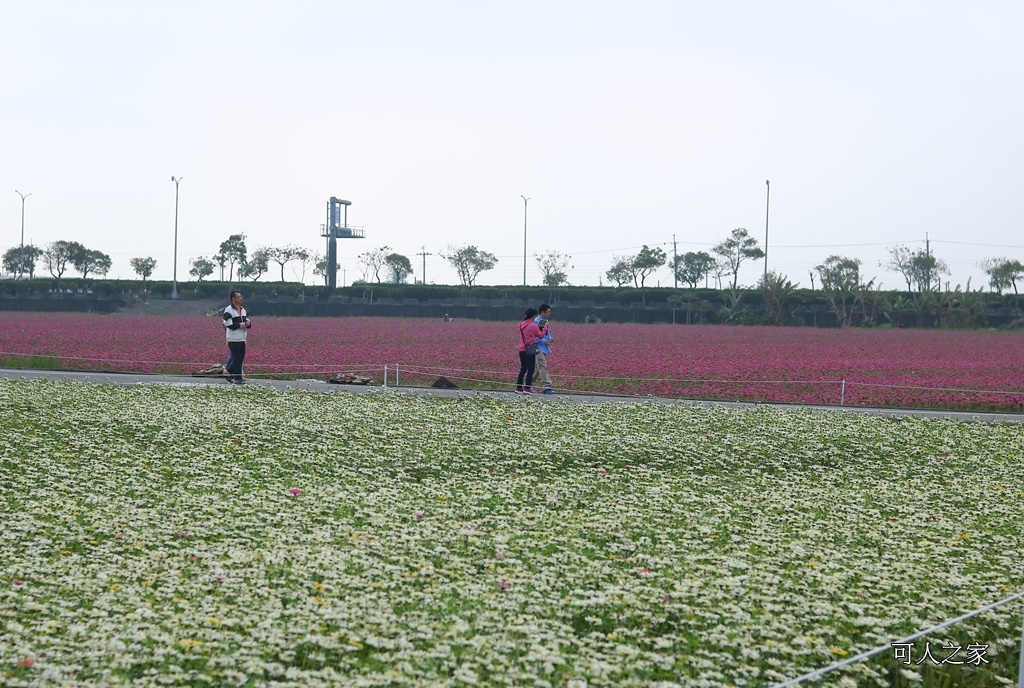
[236, 328]
[529, 333]
[227, 364]
[544, 348]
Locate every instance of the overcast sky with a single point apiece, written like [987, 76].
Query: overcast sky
[878, 123]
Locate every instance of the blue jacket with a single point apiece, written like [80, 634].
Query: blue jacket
[542, 343]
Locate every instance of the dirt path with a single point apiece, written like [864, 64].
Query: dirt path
[173, 307]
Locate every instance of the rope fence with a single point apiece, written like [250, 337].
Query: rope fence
[419, 375]
[909, 640]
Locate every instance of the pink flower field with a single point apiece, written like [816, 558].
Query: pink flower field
[910, 368]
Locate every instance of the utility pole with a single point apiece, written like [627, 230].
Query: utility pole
[928, 262]
[526, 201]
[174, 289]
[423, 275]
[767, 197]
[675, 261]
[21, 260]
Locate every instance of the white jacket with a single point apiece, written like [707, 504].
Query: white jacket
[235, 318]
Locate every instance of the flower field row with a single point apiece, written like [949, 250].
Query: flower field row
[218, 536]
[910, 368]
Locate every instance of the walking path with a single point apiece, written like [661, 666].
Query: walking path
[574, 398]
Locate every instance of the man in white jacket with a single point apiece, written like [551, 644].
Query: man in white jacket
[236, 327]
[544, 346]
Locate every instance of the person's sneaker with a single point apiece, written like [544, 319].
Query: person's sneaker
[519, 390]
[528, 390]
[549, 391]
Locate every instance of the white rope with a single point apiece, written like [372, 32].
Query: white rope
[901, 641]
[411, 370]
[933, 389]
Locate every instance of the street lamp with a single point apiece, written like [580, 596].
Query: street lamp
[174, 289]
[767, 197]
[21, 261]
[525, 202]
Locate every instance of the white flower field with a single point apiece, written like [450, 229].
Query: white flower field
[155, 535]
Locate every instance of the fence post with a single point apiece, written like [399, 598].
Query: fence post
[385, 377]
[396, 375]
[842, 394]
[1020, 671]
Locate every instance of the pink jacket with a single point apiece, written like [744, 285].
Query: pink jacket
[529, 333]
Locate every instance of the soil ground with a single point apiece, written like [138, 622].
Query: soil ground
[164, 307]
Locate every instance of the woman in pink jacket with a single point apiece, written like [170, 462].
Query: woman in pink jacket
[529, 332]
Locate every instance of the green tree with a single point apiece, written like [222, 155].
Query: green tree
[554, 267]
[400, 267]
[220, 259]
[233, 252]
[736, 250]
[645, 263]
[778, 292]
[282, 255]
[304, 257]
[621, 271]
[1003, 273]
[921, 269]
[12, 260]
[690, 268]
[89, 261]
[320, 266]
[371, 262]
[144, 267]
[255, 265]
[840, 282]
[57, 256]
[201, 267]
[469, 262]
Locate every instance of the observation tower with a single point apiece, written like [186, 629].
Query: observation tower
[337, 228]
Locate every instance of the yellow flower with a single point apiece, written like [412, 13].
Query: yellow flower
[839, 651]
[189, 643]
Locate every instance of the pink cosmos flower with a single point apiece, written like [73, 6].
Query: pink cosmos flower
[500, 555]
[119, 536]
[18, 581]
[421, 515]
[295, 491]
[505, 585]
[182, 533]
[26, 662]
[191, 558]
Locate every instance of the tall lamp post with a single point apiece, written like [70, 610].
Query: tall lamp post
[767, 197]
[21, 261]
[174, 289]
[526, 201]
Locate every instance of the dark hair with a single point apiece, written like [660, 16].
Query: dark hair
[233, 292]
[531, 313]
[543, 307]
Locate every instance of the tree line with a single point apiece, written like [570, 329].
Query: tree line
[840, 277]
